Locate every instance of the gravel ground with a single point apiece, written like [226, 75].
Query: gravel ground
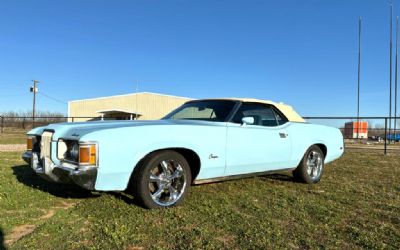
[12, 147]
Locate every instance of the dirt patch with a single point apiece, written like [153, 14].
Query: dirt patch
[134, 248]
[65, 205]
[12, 147]
[52, 211]
[227, 240]
[47, 214]
[19, 232]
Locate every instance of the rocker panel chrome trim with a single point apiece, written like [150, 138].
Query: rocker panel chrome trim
[239, 176]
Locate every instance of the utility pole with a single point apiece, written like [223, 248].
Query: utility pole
[34, 90]
[358, 81]
[390, 65]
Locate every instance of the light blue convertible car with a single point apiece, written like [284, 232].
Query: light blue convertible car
[200, 142]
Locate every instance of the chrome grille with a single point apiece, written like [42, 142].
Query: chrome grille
[45, 144]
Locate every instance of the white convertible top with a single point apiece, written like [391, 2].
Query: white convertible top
[287, 110]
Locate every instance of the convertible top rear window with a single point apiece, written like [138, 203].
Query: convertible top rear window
[206, 110]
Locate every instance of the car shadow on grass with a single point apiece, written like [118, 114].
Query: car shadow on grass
[28, 177]
[279, 177]
[2, 246]
[126, 197]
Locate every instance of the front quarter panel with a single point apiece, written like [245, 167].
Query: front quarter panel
[121, 149]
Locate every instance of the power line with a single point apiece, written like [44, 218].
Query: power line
[8, 84]
[52, 98]
[17, 94]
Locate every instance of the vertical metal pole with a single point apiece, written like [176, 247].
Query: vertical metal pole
[358, 81]
[73, 119]
[2, 124]
[385, 147]
[137, 95]
[390, 65]
[395, 77]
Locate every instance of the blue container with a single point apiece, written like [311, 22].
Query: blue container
[393, 137]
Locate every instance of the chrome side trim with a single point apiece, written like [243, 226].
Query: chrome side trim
[239, 176]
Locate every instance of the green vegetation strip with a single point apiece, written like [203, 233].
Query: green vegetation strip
[356, 205]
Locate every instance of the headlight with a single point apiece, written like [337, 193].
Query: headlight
[74, 152]
[68, 150]
[78, 153]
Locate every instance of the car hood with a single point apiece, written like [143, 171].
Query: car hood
[76, 130]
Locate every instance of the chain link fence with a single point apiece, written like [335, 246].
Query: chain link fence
[380, 134]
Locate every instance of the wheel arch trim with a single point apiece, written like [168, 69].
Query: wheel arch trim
[319, 144]
[191, 156]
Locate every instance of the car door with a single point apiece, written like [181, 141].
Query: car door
[262, 146]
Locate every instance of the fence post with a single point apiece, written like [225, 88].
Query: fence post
[385, 149]
[2, 124]
[72, 119]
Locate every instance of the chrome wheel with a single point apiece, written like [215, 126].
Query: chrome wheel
[167, 182]
[314, 164]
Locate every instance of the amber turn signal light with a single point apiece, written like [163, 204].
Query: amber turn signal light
[29, 143]
[87, 154]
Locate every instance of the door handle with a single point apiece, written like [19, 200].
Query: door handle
[283, 135]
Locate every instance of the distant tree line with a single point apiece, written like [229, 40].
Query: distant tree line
[24, 120]
[29, 114]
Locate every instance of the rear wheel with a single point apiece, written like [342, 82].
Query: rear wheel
[162, 180]
[311, 166]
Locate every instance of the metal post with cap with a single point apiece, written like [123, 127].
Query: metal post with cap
[358, 78]
[395, 78]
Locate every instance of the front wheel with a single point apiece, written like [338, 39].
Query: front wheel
[162, 180]
[311, 166]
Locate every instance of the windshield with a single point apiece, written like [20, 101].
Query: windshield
[212, 110]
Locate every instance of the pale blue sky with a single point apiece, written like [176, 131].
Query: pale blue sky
[299, 52]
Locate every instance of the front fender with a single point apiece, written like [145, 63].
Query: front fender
[120, 152]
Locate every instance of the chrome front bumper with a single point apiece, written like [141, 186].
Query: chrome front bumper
[45, 168]
[27, 156]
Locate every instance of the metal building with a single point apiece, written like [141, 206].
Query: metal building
[142, 106]
[353, 130]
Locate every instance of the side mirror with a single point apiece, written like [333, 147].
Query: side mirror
[248, 120]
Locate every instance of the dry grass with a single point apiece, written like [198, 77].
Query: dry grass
[13, 136]
[356, 205]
